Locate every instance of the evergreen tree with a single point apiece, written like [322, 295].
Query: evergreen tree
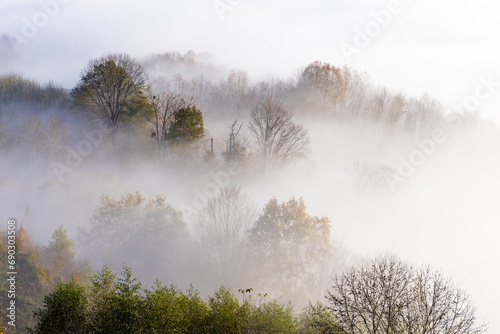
[65, 311]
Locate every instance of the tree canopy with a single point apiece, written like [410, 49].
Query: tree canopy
[107, 86]
[287, 246]
[389, 296]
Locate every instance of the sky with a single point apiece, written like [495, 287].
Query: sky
[447, 49]
[442, 48]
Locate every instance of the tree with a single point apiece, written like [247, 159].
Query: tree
[126, 303]
[280, 140]
[222, 229]
[388, 296]
[59, 255]
[229, 315]
[436, 305]
[236, 87]
[369, 177]
[235, 146]
[272, 316]
[64, 311]
[287, 248]
[187, 127]
[164, 105]
[106, 87]
[32, 285]
[119, 226]
[169, 310]
[323, 86]
[226, 315]
[101, 293]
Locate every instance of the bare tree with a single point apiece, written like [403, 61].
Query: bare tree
[236, 86]
[369, 177]
[222, 230]
[235, 145]
[437, 306]
[280, 140]
[388, 296]
[106, 87]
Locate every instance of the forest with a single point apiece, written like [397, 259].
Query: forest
[170, 195]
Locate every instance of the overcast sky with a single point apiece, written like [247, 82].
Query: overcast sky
[441, 47]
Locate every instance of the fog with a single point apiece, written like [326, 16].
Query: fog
[400, 164]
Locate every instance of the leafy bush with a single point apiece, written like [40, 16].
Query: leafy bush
[112, 304]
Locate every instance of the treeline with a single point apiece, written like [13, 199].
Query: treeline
[283, 251]
[384, 295]
[156, 110]
[19, 95]
[320, 90]
[118, 304]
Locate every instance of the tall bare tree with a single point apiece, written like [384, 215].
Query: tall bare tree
[106, 87]
[280, 140]
[222, 229]
[389, 296]
[235, 144]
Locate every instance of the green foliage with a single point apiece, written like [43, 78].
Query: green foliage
[187, 127]
[111, 304]
[115, 304]
[273, 316]
[64, 311]
[109, 90]
[126, 304]
[102, 290]
[226, 315]
[169, 310]
[137, 105]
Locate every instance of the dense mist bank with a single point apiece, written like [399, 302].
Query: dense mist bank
[383, 172]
